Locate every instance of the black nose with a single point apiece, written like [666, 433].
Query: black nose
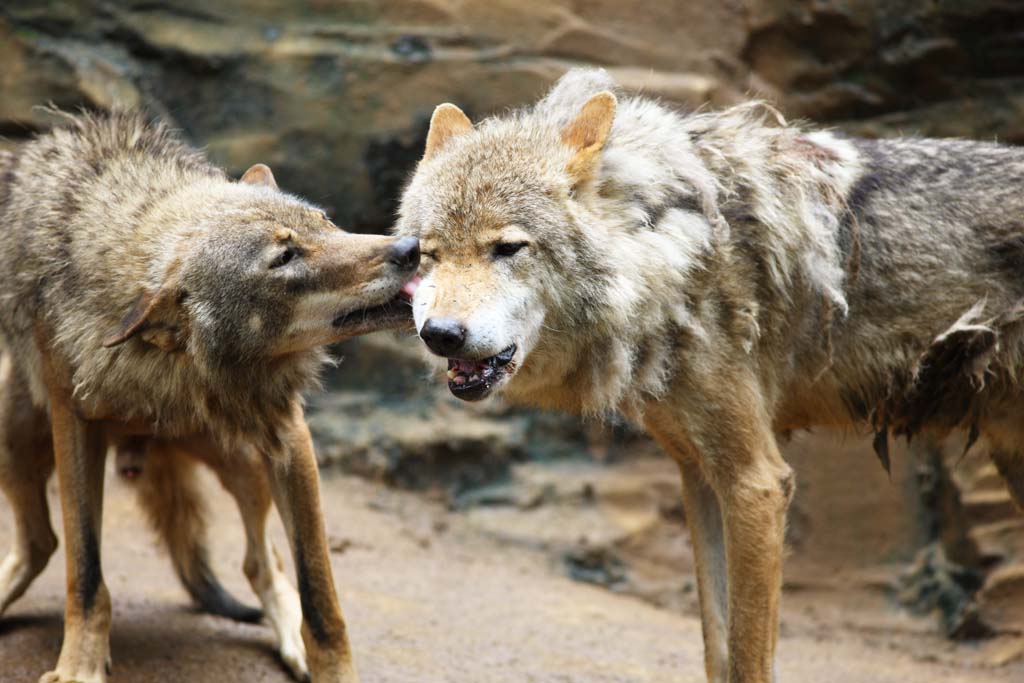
[405, 253]
[443, 336]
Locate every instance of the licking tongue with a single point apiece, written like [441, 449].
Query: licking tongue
[409, 288]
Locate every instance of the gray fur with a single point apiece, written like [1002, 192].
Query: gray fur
[95, 213]
[108, 207]
[724, 278]
[815, 254]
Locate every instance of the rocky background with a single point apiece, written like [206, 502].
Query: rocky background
[335, 96]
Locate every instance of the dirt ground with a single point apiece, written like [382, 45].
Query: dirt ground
[432, 597]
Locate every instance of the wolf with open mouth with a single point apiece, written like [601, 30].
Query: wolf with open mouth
[724, 278]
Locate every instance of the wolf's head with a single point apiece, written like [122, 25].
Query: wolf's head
[254, 273]
[502, 214]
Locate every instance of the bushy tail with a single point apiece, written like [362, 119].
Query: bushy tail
[168, 492]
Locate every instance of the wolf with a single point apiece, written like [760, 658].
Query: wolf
[143, 292]
[723, 279]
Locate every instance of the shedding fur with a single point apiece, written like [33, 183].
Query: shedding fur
[674, 194]
[738, 216]
[723, 278]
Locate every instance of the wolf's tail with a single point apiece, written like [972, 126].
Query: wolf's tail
[169, 493]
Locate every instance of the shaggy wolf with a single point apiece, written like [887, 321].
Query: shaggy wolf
[143, 292]
[724, 279]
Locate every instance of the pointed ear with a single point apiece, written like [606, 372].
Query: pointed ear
[447, 122]
[259, 174]
[587, 133]
[155, 317]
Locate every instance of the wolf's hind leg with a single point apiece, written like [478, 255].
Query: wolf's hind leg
[169, 493]
[245, 478]
[26, 462]
[1010, 464]
[704, 519]
[1006, 448]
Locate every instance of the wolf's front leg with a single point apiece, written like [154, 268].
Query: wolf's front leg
[707, 535]
[80, 450]
[704, 519]
[295, 482]
[245, 479]
[737, 490]
[755, 495]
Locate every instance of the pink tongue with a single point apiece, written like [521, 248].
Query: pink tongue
[410, 287]
[465, 366]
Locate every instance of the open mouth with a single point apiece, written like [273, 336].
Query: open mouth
[391, 315]
[472, 380]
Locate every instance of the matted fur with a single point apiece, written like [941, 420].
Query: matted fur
[724, 278]
[736, 228]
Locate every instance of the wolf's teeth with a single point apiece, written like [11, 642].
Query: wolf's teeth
[453, 373]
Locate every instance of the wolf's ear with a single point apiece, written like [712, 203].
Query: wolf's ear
[447, 122]
[155, 318]
[259, 174]
[587, 133]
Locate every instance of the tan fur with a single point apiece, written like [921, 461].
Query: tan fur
[724, 278]
[144, 293]
[587, 133]
[168, 491]
[447, 122]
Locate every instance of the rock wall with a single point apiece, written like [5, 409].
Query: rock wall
[335, 96]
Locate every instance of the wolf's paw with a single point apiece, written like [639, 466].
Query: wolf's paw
[293, 654]
[59, 677]
[20, 568]
[333, 669]
[83, 672]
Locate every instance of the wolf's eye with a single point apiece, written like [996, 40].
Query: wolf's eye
[508, 248]
[284, 258]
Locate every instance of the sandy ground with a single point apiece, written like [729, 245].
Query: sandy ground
[429, 598]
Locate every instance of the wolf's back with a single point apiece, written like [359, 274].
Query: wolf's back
[6, 176]
[75, 240]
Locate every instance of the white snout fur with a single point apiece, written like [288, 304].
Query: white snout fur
[512, 314]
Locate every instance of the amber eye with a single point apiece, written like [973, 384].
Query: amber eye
[508, 248]
[284, 258]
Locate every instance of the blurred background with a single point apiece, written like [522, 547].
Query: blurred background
[335, 96]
